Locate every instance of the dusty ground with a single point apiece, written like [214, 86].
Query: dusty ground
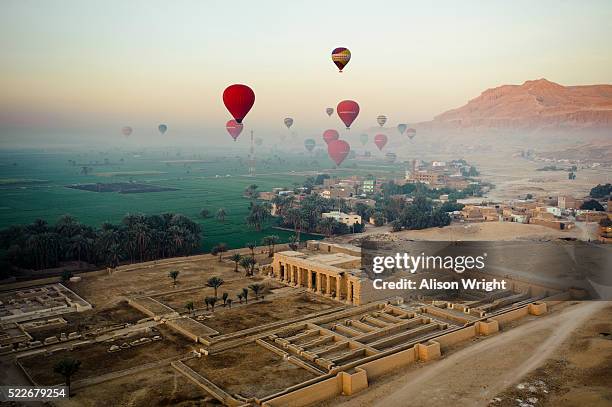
[178, 300]
[264, 312]
[106, 290]
[474, 375]
[150, 388]
[578, 373]
[514, 177]
[250, 370]
[97, 361]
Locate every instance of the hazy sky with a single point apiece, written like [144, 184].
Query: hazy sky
[97, 65]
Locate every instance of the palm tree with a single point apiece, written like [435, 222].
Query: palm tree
[270, 241]
[256, 288]
[327, 226]
[221, 214]
[189, 306]
[173, 275]
[251, 191]
[236, 258]
[251, 247]
[245, 295]
[215, 282]
[248, 263]
[67, 367]
[258, 215]
[224, 297]
[221, 248]
[212, 301]
[205, 213]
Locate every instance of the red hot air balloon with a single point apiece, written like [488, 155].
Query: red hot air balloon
[233, 128]
[347, 110]
[338, 150]
[380, 140]
[238, 99]
[330, 135]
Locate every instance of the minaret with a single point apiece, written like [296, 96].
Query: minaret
[252, 157]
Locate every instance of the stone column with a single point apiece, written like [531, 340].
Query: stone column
[309, 279]
[338, 287]
[319, 282]
[299, 276]
[349, 292]
[328, 284]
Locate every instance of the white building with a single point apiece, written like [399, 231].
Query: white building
[348, 219]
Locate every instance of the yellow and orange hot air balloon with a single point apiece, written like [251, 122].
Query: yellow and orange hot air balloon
[341, 56]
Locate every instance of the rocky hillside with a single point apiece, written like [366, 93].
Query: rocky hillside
[534, 105]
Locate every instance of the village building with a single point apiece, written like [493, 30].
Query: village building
[348, 219]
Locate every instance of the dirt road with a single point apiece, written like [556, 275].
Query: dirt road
[474, 375]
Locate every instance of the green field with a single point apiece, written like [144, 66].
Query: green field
[201, 180]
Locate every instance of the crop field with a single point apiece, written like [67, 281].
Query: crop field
[210, 183]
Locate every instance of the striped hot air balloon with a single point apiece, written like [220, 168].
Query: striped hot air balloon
[341, 56]
[288, 122]
[381, 119]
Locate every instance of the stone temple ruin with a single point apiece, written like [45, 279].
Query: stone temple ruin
[307, 358]
[34, 308]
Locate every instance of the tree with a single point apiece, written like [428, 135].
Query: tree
[245, 295]
[205, 213]
[207, 302]
[224, 297]
[326, 225]
[215, 282]
[240, 296]
[173, 275]
[601, 191]
[221, 214]
[270, 241]
[256, 288]
[236, 259]
[257, 216]
[219, 249]
[592, 205]
[251, 191]
[212, 301]
[67, 367]
[189, 306]
[251, 247]
[248, 263]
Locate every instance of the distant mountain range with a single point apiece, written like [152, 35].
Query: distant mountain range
[534, 105]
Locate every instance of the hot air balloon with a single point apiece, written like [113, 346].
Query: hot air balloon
[363, 138]
[347, 110]
[401, 128]
[338, 150]
[126, 130]
[380, 140]
[238, 99]
[288, 122]
[162, 128]
[309, 144]
[258, 141]
[381, 119]
[329, 111]
[341, 56]
[330, 135]
[233, 128]
[411, 133]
